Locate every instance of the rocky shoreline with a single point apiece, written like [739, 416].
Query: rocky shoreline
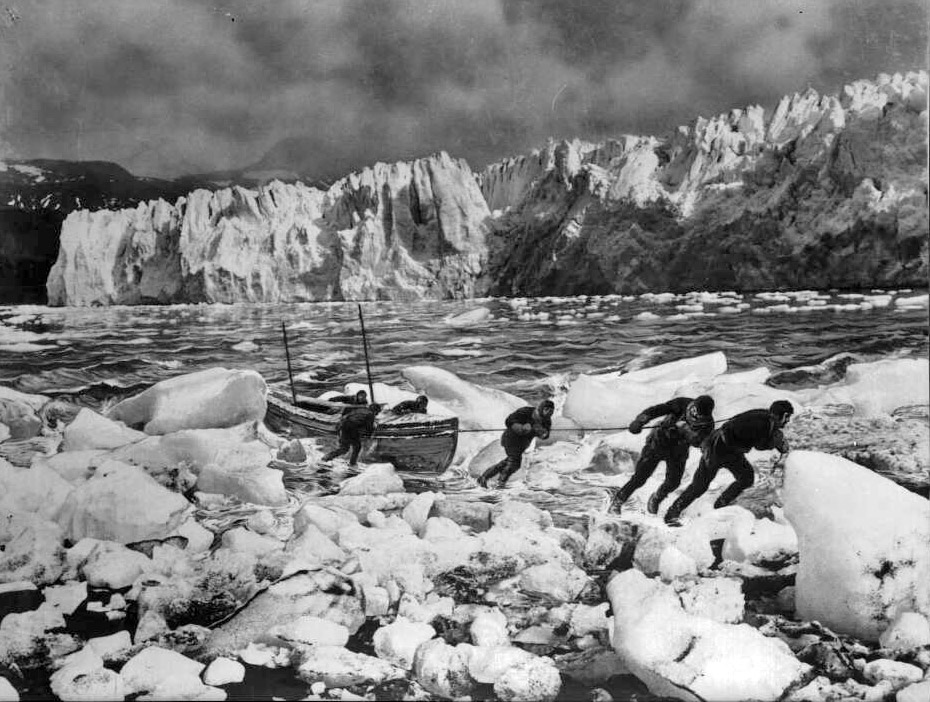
[155, 552]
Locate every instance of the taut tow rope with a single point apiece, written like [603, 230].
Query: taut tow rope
[554, 429]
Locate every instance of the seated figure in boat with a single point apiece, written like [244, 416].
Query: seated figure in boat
[356, 423]
[417, 406]
[359, 398]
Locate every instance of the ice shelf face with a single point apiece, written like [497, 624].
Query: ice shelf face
[826, 191]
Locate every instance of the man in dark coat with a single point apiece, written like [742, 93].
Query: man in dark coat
[727, 447]
[686, 423]
[417, 406]
[359, 398]
[356, 423]
[522, 426]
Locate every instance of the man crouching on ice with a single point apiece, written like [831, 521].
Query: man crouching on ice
[687, 423]
[523, 425]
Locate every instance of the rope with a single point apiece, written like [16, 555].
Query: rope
[647, 426]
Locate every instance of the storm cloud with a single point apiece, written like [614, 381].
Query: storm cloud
[321, 87]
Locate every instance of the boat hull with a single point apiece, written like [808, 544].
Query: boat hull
[416, 443]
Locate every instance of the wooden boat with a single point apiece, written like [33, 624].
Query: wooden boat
[419, 443]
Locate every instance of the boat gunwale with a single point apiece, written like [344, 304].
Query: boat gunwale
[410, 428]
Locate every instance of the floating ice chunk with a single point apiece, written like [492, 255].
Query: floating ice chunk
[772, 309]
[862, 542]
[603, 402]
[215, 397]
[467, 319]
[90, 430]
[659, 298]
[646, 316]
[879, 300]
[881, 387]
[772, 296]
[475, 406]
[705, 366]
[916, 301]
[708, 298]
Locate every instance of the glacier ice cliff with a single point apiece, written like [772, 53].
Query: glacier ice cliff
[402, 231]
[825, 191]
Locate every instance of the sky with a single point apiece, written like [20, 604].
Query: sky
[325, 87]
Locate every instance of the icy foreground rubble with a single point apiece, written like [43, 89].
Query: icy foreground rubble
[169, 562]
[864, 544]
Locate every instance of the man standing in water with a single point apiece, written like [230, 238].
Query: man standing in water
[522, 426]
[727, 447]
[687, 423]
[356, 422]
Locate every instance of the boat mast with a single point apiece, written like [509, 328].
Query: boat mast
[287, 353]
[371, 387]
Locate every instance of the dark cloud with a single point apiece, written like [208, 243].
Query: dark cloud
[323, 87]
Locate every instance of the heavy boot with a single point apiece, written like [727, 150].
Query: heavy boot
[655, 501]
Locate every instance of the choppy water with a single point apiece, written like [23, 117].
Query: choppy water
[525, 346]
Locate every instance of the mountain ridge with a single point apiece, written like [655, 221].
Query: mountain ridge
[825, 191]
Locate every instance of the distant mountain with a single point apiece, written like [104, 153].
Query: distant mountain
[35, 198]
[825, 191]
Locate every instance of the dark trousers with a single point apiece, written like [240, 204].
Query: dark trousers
[347, 440]
[675, 457]
[506, 467]
[717, 455]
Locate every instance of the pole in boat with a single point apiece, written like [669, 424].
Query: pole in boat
[287, 353]
[371, 388]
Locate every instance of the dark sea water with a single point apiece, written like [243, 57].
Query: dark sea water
[523, 346]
